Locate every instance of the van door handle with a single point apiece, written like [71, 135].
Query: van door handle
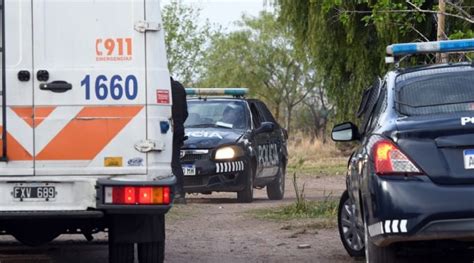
[58, 86]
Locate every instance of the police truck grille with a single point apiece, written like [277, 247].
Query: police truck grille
[194, 157]
[192, 180]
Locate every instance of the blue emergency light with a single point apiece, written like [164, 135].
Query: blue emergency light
[236, 92]
[461, 45]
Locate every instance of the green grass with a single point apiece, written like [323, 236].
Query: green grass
[326, 209]
[338, 168]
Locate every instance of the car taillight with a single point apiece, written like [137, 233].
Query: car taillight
[390, 160]
[137, 195]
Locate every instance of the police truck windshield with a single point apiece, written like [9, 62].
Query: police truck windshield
[217, 114]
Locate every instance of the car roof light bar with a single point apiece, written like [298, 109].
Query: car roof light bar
[461, 45]
[236, 92]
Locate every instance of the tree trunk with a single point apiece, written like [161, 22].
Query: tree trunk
[277, 112]
[288, 120]
[441, 34]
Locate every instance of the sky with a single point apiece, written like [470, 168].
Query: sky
[225, 12]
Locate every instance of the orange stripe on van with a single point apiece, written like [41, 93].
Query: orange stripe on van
[26, 113]
[15, 151]
[41, 114]
[88, 133]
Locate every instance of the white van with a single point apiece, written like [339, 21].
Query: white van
[86, 134]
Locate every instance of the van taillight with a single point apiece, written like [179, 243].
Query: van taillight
[137, 195]
[389, 160]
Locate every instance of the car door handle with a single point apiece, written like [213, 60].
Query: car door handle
[58, 86]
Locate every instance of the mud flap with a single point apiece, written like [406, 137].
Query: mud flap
[137, 228]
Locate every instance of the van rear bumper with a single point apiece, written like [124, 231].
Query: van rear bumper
[17, 215]
[76, 196]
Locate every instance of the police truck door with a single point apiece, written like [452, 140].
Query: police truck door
[89, 87]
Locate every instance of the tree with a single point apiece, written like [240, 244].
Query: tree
[186, 41]
[261, 56]
[346, 39]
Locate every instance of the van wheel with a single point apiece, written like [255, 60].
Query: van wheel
[152, 252]
[121, 252]
[375, 254]
[35, 237]
[246, 195]
[276, 189]
[351, 235]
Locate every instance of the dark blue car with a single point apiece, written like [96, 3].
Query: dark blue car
[233, 144]
[410, 181]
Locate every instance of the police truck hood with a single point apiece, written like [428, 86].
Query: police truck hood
[207, 138]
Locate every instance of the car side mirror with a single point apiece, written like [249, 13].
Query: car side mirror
[265, 127]
[345, 132]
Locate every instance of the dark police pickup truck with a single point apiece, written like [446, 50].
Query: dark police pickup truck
[410, 183]
[233, 144]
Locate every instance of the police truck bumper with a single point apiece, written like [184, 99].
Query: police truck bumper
[217, 176]
[418, 209]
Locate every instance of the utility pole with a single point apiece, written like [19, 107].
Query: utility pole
[442, 57]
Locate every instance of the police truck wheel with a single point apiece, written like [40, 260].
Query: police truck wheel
[152, 252]
[121, 252]
[246, 195]
[352, 236]
[375, 254]
[276, 189]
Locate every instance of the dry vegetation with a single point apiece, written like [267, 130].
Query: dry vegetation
[315, 158]
[308, 161]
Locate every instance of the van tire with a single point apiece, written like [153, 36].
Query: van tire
[151, 252]
[121, 252]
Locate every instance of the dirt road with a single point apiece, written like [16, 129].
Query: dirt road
[217, 229]
[211, 229]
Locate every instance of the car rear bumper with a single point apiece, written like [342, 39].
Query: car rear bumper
[415, 209]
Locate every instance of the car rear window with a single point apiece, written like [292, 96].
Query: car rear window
[437, 93]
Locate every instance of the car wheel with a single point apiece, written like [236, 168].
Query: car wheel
[246, 195]
[276, 189]
[152, 252]
[375, 254]
[352, 236]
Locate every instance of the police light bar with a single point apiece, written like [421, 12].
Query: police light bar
[217, 92]
[461, 45]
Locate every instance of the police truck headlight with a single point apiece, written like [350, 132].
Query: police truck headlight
[228, 152]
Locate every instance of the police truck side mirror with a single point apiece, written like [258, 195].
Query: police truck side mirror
[266, 127]
[345, 132]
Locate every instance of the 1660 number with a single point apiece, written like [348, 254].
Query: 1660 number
[115, 87]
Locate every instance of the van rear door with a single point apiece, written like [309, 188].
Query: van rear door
[89, 87]
[18, 89]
